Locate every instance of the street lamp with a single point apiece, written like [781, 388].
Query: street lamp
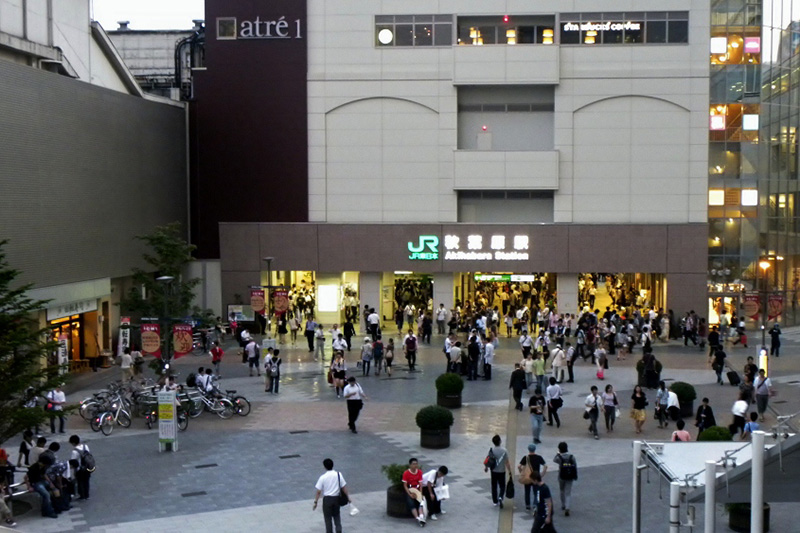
[269, 295]
[166, 355]
[764, 264]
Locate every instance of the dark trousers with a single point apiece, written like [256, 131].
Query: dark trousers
[498, 486]
[552, 414]
[411, 355]
[61, 421]
[775, 350]
[310, 339]
[275, 383]
[487, 371]
[570, 373]
[472, 370]
[434, 505]
[47, 504]
[364, 368]
[330, 512]
[528, 490]
[518, 399]
[737, 426]
[82, 478]
[353, 409]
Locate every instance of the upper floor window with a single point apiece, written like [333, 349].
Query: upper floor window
[625, 28]
[413, 30]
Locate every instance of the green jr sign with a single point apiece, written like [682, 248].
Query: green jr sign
[427, 249]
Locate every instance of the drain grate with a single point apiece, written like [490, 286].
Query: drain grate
[190, 494]
[793, 382]
[288, 456]
[780, 401]
[211, 465]
[298, 432]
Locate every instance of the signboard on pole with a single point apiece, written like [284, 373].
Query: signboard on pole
[181, 339]
[167, 421]
[63, 352]
[752, 306]
[151, 339]
[124, 335]
[257, 301]
[280, 301]
[774, 306]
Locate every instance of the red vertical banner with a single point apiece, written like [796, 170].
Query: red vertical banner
[181, 339]
[257, 301]
[280, 301]
[774, 306]
[752, 306]
[151, 339]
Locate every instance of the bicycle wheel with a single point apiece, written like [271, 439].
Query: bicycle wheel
[196, 409]
[241, 406]
[107, 423]
[183, 421]
[224, 408]
[95, 422]
[124, 419]
[150, 420]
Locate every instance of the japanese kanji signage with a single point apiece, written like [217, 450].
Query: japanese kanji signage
[471, 247]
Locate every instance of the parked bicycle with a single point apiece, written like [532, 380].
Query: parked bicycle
[198, 402]
[240, 404]
[116, 414]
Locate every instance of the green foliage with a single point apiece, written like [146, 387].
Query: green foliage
[686, 393]
[449, 384]
[715, 433]
[169, 255]
[434, 417]
[24, 351]
[394, 473]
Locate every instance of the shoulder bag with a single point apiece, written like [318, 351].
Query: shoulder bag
[525, 473]
[343, 498]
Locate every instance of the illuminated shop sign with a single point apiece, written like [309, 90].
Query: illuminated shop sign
[471, 248]
[505, 277]
[229, 28]
[602, 26]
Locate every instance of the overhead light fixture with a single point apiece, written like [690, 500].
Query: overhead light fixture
[716, 197]
[719, 45]
[385, 36]
[750, 122]
[749, 197]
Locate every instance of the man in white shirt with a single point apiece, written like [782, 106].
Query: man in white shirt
[441, 318]
[58, 399]
[455, 357]
[82, 474]
[488, 358]
[431, 480]
[739, 411]
[253, 356]
[448, 343]
[592, 405]
[525, 343]
[673, 405]
[125, 362]
[328, 487]
[355, 397]
[559, 362]
[763, 388]
[374, 322]
[339, 343]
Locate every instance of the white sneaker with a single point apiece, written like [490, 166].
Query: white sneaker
[434, 517]
[442, 512]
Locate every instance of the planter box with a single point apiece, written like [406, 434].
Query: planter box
[396, 502]
[434, 438]
[451, 401]
[739, 518]
[687, 409]
[651, 383]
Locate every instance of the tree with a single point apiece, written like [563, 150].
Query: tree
[170, 254]
[24, 350]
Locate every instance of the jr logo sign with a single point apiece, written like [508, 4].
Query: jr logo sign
[427, 249]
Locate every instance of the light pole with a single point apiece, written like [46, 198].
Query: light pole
[166, 355]
[269, 295]
[764, 264]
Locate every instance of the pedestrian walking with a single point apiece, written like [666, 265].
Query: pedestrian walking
[739, 412]
[410, 349]
[763, 387]
[319, 343]
[355, 397]
[567, 474]
[704, 418]
[377, 355]
[55, 405]
[366, 356]
[662, 400]
[543, 509]
[536, 405]
[253, 356]
[610, 406]
[775, 340]
[517, 385]
[558, 363]
[530, 463]
[638, 405]
[488, 358]
[592, 410]
[718, 363]
[329, 487]
[311, 328]
[554, 398]
[498, 463]
[125, 365]
[216, 357]
[388, 357]
[273, 371]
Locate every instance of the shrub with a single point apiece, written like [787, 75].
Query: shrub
[434, 417]
[449, 384]
[715, 433]
[686, 393]
[394, 473]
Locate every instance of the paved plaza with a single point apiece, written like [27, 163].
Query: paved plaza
[257, 473]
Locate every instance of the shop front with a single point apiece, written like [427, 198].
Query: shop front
[74, 327]
[343, 267]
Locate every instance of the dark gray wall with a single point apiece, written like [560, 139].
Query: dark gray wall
[82, 170]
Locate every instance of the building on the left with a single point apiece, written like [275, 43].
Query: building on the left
[87, 162]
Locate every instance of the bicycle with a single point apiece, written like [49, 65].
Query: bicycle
[117, 414]
[222, 406]
[240, 404]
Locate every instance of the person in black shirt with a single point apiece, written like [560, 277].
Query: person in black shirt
[705, 417]
[535, 462]
[518, 384]
[37, 481]
[543, 511]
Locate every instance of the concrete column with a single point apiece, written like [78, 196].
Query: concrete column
[757, 483]
[567, 287]
[369, 293]
[674, 507]
[686, 292]
[711, 497]
[443, 290]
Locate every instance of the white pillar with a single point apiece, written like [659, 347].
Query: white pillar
[369, 293]
[711, 497]
[567, 286]
[637, 487]
[674, 507]
[443, 290]
[757, 484]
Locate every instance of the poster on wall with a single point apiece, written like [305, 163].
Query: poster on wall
[257, 301]
[181, 339]
[151, 340]
[124, 335]
[752, 306]
[774, 306]
[280, 301]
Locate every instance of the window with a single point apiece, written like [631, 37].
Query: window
[625, 28]
[716, 197]
[413, 30]
[226, 28]
[510, 30]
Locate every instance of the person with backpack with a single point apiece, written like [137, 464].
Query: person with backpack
[410, 349]
[272, 371]
[377, 355]
[498, 464]
[567, 473]
[366, 356]
[87, 465]
[532, 462]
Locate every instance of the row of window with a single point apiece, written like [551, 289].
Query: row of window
[575, 28]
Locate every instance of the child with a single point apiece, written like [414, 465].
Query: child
[751, 426]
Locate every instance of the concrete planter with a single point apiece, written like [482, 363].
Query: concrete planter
[396, 502]
[450, 401]
[434, 438]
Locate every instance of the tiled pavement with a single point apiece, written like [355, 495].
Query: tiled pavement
[252, 487]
